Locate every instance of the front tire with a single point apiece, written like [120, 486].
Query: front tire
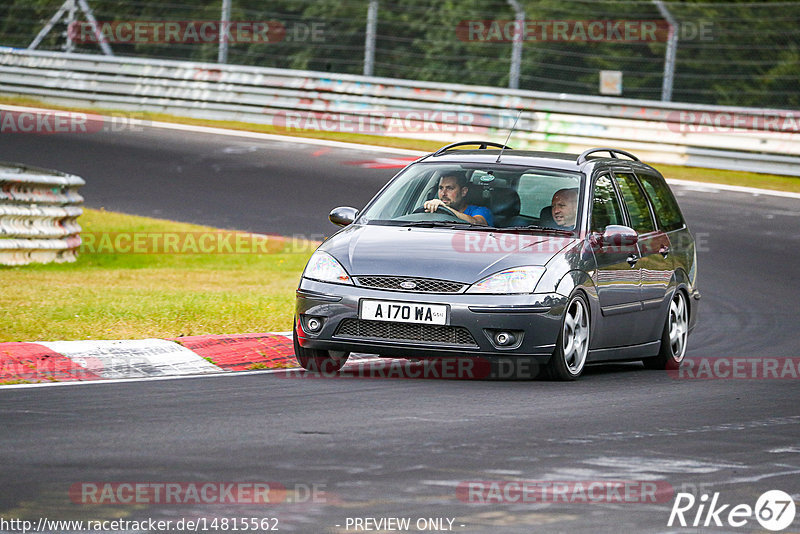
[674, 336]
[318, 361]
[572, 346]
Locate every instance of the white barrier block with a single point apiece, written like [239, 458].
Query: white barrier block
[133, 358]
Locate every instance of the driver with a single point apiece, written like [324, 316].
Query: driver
[452, 194]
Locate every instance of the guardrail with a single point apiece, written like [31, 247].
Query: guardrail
[750, 139]
[38, 215]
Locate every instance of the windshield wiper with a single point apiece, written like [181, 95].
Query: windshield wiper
[431, 224]
[445, 224]
[546, 229]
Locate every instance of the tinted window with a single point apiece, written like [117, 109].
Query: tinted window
[638, 209]
[667, 211]
[605, 205]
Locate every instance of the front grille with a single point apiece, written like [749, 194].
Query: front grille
[423, 285]
[360, 328]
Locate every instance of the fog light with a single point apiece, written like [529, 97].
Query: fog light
[504, 338]
[313, 324]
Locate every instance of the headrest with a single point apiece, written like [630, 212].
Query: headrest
[476, 196]
[505, 202]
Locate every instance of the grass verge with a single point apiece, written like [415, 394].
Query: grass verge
[697, 174]
[110, 294]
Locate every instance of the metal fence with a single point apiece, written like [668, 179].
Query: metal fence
[290, 101]
[725, 53]
[38, 213]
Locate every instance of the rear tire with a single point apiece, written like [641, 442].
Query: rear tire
[316, 360]
[572, 346]
[674, 336]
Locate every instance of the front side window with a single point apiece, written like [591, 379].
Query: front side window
[606, 209]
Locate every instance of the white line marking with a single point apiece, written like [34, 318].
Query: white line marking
[174, 377]
[141, 379]
[709, 187]
[756, 478]
[239, 133]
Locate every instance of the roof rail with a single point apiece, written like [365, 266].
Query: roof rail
[612, 151]
[482, 146]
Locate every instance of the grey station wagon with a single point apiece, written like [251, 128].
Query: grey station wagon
[557, 259]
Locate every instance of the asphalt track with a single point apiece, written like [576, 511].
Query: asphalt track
[401, 447]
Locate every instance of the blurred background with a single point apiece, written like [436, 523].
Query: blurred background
[725, 53]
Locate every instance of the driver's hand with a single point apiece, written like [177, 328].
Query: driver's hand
[433, 205]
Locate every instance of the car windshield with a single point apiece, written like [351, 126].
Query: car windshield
[505, 196]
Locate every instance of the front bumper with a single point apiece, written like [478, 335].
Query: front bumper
[534, 319]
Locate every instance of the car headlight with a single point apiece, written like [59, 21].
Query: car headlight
[325, 268]
[510, 281]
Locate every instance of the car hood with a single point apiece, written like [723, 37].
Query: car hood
[459, 255]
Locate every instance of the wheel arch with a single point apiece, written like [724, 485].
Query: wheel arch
[682, 283]
[581, 281]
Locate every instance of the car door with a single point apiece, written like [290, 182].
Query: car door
[616, 279]
[654, 264]
[681, 252]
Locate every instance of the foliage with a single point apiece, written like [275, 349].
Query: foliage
[749, 55]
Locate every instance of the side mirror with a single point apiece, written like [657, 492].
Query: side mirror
[343, 215]
[615, 235]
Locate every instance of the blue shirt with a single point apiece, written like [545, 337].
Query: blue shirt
[473, 210]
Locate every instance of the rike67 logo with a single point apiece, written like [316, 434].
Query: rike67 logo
[774, 510]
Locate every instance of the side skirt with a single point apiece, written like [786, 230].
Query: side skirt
[631, 352]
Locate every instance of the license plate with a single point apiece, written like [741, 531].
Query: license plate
[403, 312]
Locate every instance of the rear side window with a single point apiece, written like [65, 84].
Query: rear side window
[634, 198]
[605, 205]
[667, 211]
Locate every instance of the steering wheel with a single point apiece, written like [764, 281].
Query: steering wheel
[440, 208]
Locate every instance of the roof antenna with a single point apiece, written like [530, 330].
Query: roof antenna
[509, 135]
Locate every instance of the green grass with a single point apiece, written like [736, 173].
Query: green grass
[719, 176]
[133, 296]
[748, 179]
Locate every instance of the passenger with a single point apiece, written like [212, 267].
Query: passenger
[452, 194]
[565, 208]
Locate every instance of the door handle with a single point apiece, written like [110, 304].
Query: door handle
[632, 259]
[664, 251]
